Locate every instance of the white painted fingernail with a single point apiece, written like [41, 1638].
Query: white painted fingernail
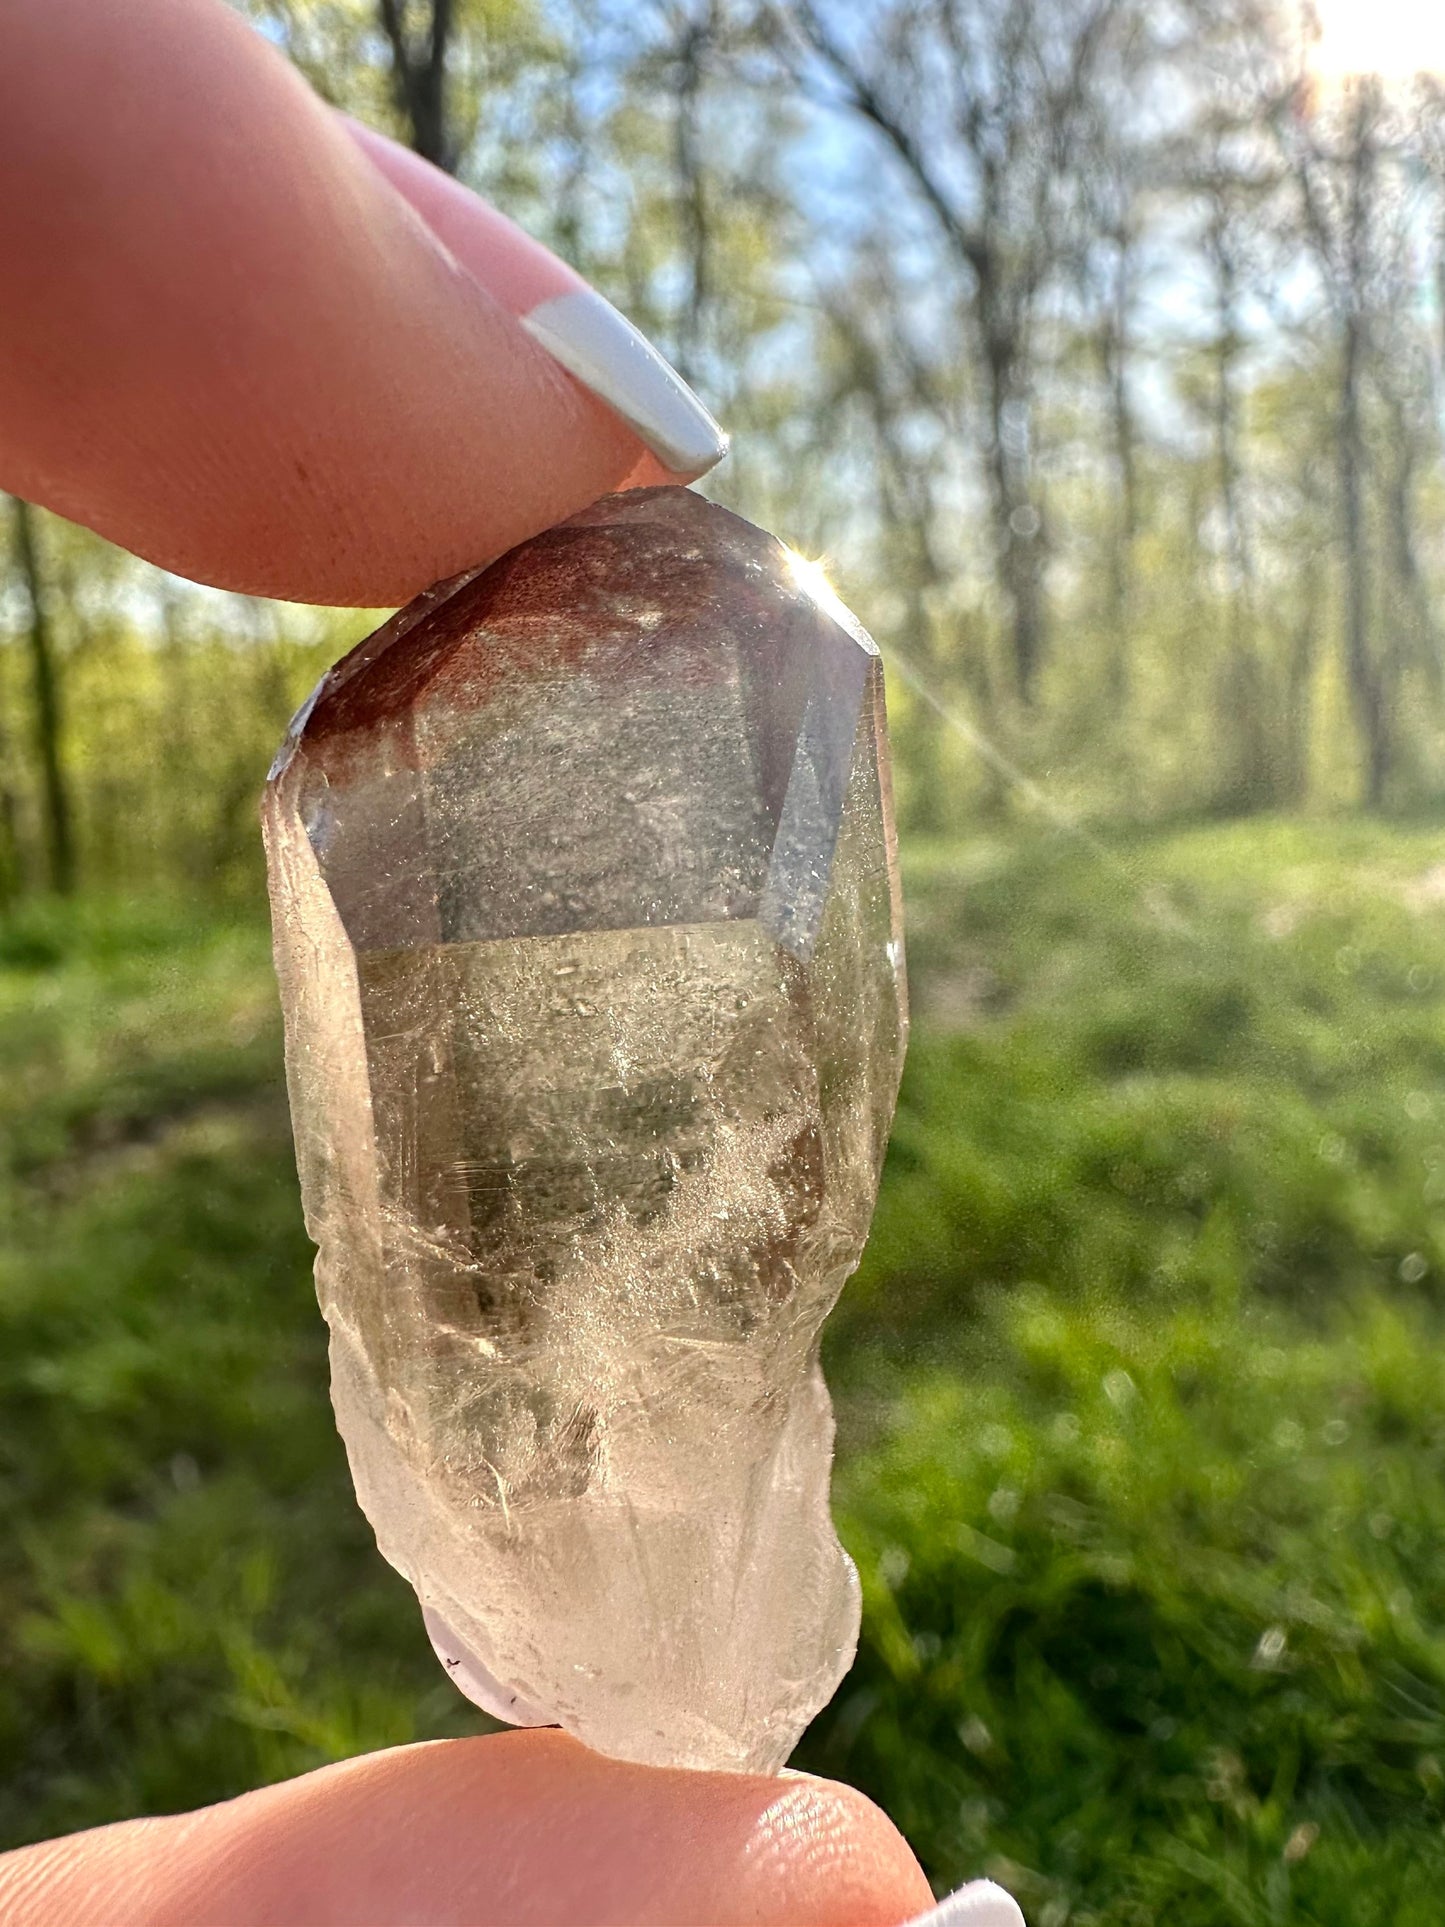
[980, 1904]
[607, 354]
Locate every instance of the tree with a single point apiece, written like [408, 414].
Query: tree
[11, 874]
[420, 40]
[1118, 210]
[1226, 184]
[983, 108]
[1338, 160]
[46, 701]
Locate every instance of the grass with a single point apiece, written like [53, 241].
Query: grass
[1142, 1433]
[1141, 1386]
[196, 1604]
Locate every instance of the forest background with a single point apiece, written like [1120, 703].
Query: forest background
[1097, 348]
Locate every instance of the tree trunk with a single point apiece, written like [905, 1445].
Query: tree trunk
[49, 729]
[1017, 523]
[1365, 675]
[1371, 717]
[1248, 784]
[10, 871]
[1114, 352]
[419, 76]
[1299, 686]
[692, 198]
[1244, 705]
[1417, 637]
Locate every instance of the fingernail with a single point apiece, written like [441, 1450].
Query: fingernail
[617, 362]
[980, 1904]
[577, 326]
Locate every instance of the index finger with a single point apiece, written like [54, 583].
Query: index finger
[228, 342]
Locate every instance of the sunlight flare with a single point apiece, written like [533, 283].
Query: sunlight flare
[1395, 39]
[812, 578]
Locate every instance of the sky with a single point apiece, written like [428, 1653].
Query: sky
[1394, 38]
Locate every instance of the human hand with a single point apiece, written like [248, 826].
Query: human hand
[273, 351]
[276, 353]
[518, 1828]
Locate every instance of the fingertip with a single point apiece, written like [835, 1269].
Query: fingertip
[232, 346]
[823, 1855]
[514, 268]
[591, 1841]
[649, 473]
[525, 1827]
[578, 327]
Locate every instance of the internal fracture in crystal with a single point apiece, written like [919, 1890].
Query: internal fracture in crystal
[587, 926]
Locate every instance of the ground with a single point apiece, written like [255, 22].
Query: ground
[1141, 1415]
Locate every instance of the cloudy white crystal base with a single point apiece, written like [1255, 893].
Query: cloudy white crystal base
[599, 1647]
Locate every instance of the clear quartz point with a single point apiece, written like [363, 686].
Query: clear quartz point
[587, 926]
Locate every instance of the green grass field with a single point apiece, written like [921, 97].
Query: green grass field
[1142, 1415]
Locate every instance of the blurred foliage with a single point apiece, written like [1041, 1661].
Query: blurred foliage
[1140, 1391]
[1141, 1437]
[191, 1600]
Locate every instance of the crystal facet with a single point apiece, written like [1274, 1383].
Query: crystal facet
[587, 927]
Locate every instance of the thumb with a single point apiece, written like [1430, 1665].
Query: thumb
[519, 1828]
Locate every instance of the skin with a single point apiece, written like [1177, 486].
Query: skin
[519, 1828]
[231, 341]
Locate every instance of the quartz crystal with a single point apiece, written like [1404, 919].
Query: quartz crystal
[587, 927]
